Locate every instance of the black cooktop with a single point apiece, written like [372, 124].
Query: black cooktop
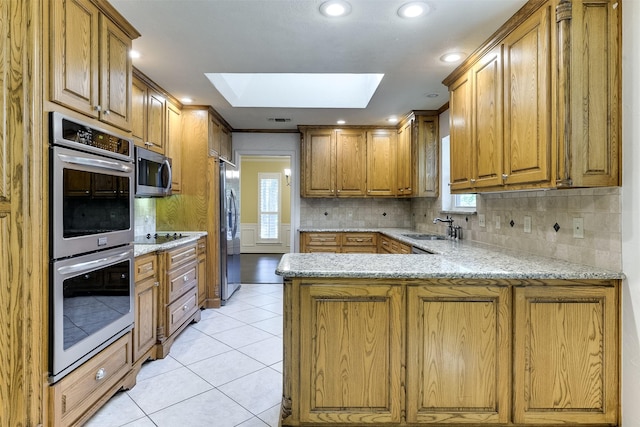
[158, 238]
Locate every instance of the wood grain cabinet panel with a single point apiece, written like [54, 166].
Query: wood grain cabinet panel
[566, 355]
[351, 167]
[318, 154]
[426, 156]
[350, 353]
[90, 63]
[538, 105]
[174, 145]
[458, 352]
[146, 306]
[381, 163]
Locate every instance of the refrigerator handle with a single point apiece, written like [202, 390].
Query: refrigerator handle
[234, 208]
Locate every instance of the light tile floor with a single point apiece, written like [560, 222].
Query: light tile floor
[225, 370]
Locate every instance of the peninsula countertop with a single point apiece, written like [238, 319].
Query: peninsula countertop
[448, 259]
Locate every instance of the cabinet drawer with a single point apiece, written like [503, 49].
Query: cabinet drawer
[182, 279]
[76, 393]
[359, 250]
[359, 239]
[322, 239]
[145, 266]
[181, 309]
[178, 256]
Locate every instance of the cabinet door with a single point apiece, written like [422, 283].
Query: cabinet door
[350, 353]
[381, 164]
[215, 134]
[138, 112]
[565, 347]
[351, 157]
[319, 163]
[225, 143]
[75, 55]
[156, 122]
[527, 100]
[115, 75]
[427, 161]
[458, 354]
[174, 145]
[404, 165]
[487, 146]
[460, 148]
[202, 271]
[144, 332]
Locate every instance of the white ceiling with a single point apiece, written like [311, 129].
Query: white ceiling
[184, 39]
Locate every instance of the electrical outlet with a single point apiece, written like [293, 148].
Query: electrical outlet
[481, 220]
[497, 219]
[527, 224]
[578, 228]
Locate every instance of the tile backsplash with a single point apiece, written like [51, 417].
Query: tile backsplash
[598, 209]
[347, 212]
[144, 216]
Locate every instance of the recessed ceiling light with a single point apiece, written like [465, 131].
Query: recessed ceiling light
[335, 8]
[392, 119]
[341, 122]
[432, 95]
[186, 100]
[452, 57]
[134, 54]
[413, 9]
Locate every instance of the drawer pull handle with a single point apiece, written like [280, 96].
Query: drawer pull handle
[100, 374]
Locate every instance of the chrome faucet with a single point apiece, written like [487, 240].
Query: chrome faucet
[448, 220]
[453, 232]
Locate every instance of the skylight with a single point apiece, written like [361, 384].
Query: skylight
[296, 90]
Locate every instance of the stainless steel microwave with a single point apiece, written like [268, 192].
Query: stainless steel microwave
[153, 174]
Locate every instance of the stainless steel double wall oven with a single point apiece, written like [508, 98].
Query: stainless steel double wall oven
[92, 181]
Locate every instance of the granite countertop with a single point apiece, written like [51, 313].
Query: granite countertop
[448, 259]
[189, 237]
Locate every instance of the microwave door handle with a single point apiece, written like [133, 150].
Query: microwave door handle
[97, 163]
[168, 169]
[88, 266]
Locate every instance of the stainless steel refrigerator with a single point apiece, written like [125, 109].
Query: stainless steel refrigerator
[229, 230]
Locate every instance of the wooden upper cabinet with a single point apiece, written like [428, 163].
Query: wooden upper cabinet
[460, 140]
[426, 156]
[486, 130]
[527, 87]
[404, 169]
[156, 122]
[589, 75]
[381, 164]
[139, 95]
[319, 163]
[538, 106]
[174, 145]
[351, 157]
[90, 62]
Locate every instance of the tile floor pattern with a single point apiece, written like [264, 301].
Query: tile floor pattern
[225, 370]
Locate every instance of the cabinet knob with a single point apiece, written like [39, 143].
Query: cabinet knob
[101, 374]
[473, 181]
[106, 112]
[185, 308]
[97, 108]
[156, 284]
[185, 278]
[504, 176]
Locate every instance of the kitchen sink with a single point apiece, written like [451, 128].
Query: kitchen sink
[425, 236]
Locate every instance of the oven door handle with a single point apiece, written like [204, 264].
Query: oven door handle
[88, 266]
[97, 163]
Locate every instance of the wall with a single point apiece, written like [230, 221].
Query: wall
[630, 214]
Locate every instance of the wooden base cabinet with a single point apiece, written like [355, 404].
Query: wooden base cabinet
[458, 353]
[566, 355]
[146, 308]
[339, 381]
[409, 352]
